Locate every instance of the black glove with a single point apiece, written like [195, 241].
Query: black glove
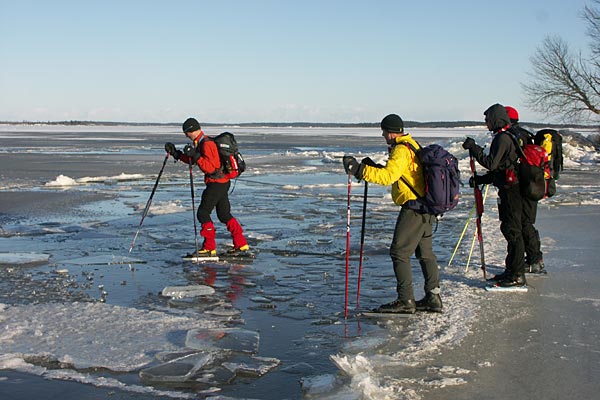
[474, 149]
[191, 152]
[370, 163]
[353, 167]
[170, 148]
[480, 180]
[469, 144]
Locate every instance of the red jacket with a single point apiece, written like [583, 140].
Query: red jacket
[209, 161]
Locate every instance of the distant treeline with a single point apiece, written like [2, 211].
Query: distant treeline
[407, 124]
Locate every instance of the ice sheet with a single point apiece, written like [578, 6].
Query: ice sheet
[92, 335]
[23, 258]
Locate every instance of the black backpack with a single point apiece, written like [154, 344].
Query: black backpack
[231, 159]
[556, 155]
[532, 169]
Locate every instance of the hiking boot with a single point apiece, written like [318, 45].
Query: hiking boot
[204, 253]
[397, 307]
[499, 277]
[514, 280]
[240, 251]
[536, 268]
[431, 302]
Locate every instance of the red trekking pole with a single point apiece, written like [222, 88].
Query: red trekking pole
[479, 210]
[347, 247]
[362, 243]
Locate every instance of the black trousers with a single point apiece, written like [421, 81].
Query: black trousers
[510, 210]
[216, 195]
[531, 236]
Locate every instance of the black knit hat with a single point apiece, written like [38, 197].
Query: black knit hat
[190, 125]
[392, 123]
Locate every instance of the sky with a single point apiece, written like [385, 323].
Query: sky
[273, 60]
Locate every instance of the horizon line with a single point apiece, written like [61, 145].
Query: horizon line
[407, 123]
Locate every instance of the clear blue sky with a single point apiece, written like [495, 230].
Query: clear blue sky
[272, 60]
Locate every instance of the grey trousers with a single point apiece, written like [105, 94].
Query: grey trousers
[413, 234]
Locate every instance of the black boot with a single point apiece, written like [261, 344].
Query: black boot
[431, 302]
[536, 268]
[499, 277]
[397, 307]
[513, 280]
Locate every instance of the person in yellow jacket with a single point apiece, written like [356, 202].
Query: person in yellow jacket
[414, 227]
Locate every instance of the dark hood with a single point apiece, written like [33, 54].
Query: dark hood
[497, 117]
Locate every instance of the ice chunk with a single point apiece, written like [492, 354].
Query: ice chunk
[180, 369]
[365, 343]
[23, 258]
[25, 230]
[180, 292]
[93, 335]
[259, 299]
[251, 366]
[104, 259]
[238, 340]
[62, 181]
[319, 385]
[224, 312]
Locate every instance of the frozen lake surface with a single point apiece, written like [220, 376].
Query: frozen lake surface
[76, 306]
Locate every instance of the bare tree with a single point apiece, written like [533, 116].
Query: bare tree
[563, 84]
[592, 17]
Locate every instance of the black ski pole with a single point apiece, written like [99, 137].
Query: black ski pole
[362, 242]
[149, 202]
[193, 205]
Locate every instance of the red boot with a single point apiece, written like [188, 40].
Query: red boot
[239, 241]
[209, 234]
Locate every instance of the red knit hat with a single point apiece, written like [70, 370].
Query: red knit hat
[512, 113]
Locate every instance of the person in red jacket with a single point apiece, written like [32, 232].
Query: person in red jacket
[205, 155]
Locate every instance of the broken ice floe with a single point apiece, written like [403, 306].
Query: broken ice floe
[251, 365]
[179, 292]
[181, 369]
[63, 181]
[23, 258]
[25, 230]
[77, 333]
[104, 259]
[234, 339]
[208, 367]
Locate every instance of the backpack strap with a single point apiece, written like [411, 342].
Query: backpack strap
[520, 152]
[217, 173]
[416, 151]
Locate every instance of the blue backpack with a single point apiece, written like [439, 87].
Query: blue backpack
[442, 179]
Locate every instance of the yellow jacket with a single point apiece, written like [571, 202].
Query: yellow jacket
[402, 163]
[547, 145]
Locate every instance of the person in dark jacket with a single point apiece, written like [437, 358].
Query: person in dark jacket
[501, 162]
[534, 262]
[205, 155]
